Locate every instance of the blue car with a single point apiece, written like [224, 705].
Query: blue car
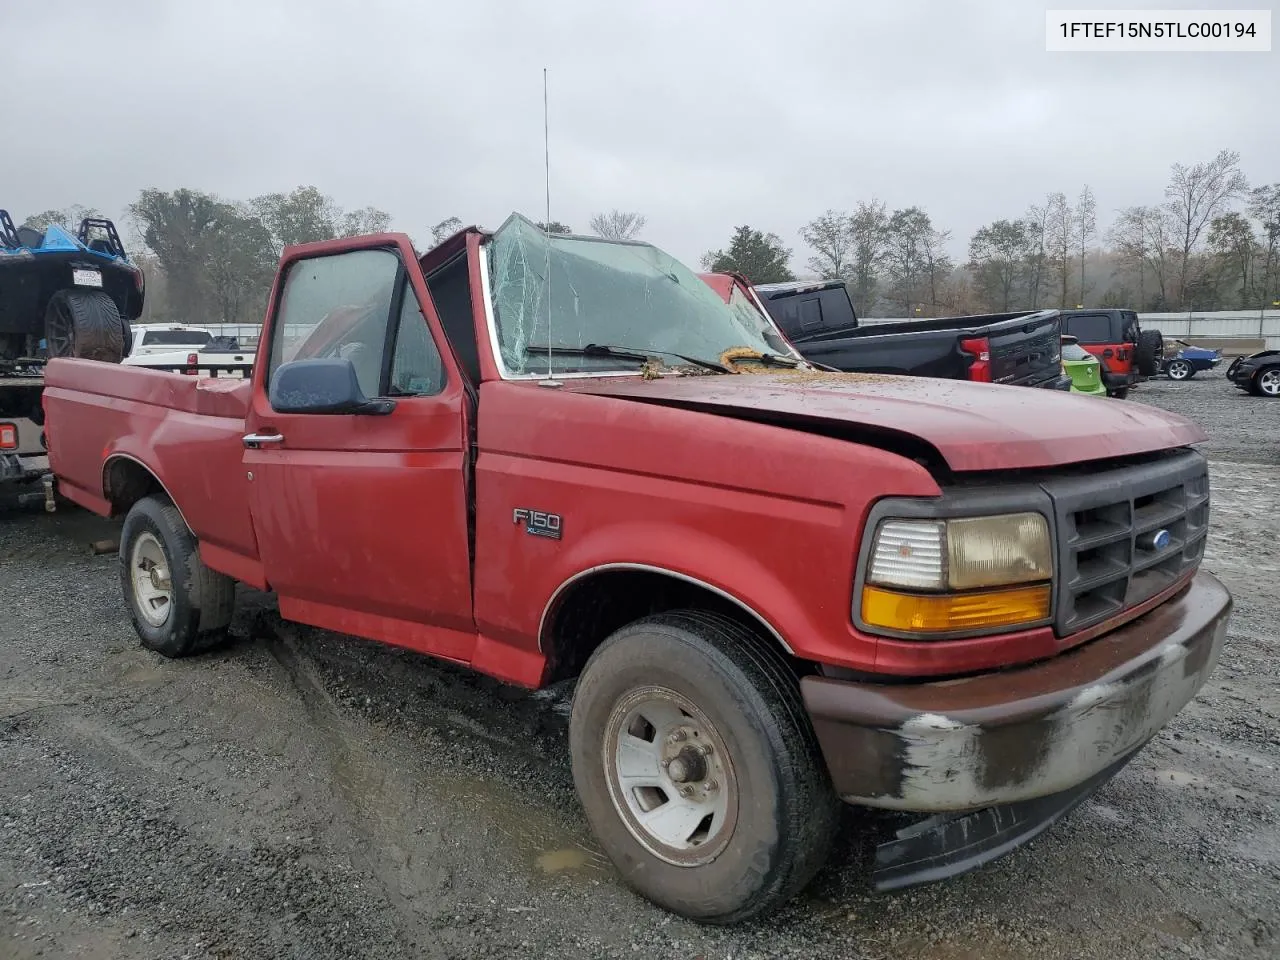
[78, 292]
[1189, 361]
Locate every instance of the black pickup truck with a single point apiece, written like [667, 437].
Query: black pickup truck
[818, 317]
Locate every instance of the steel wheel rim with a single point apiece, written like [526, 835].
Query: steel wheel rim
[61, 331]
[152, 583]
[1269, 383]
[670, 776]
[1179, 369]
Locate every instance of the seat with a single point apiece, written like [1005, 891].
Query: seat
[30, 237]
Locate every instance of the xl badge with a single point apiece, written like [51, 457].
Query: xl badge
[537, 523]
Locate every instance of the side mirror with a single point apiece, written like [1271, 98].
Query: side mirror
[322, 386]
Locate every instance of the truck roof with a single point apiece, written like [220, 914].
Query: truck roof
[787, 287]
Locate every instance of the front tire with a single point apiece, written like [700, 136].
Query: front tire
[1180, 370]
[698, 769]
[1266, 382]
[178, 605]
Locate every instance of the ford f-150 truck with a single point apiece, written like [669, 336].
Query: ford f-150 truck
[554, 457]
[1020, 348]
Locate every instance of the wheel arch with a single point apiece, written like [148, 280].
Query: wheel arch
[126, 479]
[590, 605]
[1256, 380]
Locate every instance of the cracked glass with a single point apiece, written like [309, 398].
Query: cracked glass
[567, 292]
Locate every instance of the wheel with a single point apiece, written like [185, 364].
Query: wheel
[1266, 382]
[179, 606]
[698, 769]
[1119, 393]
[1150, 352]
[1179, 370]
[84, 324]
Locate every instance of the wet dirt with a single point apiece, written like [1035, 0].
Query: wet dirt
[303, 794]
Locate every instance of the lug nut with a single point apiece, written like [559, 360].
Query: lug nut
[710, 785]
[686, 792]
[705, 749]
[675, 736]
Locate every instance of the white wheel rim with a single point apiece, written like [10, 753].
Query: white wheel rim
[1179, 369]
[670, 776]
[1269, 383]
[152, 583]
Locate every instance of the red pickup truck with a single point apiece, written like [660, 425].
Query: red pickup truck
[555, 457]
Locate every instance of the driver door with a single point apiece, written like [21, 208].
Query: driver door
[361, 520]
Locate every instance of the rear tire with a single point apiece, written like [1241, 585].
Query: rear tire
[86, 325]
[1150, 352]
[1266, 383]
[1179, 370]
[760, 815]
[178, 605]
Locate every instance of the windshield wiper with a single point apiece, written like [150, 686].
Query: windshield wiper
[622, 353]
[776, 360]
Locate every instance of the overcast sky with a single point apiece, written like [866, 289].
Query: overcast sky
[702, 114]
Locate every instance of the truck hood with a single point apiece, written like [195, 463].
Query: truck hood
[972, 426]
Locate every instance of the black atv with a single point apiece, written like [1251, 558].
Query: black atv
[65, 296]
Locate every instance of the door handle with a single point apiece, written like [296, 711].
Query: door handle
[255, 440]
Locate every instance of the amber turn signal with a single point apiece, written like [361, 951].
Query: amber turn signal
[954, 612]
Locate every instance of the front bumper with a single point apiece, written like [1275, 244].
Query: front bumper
[1241, 372]
[1021, 734]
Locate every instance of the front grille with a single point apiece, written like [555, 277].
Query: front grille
[1103, 567]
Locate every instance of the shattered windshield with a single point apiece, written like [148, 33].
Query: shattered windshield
[628, 296]
[751, 317]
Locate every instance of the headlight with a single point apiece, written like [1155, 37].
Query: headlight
[952, 576]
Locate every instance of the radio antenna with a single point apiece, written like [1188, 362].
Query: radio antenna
[551, 381]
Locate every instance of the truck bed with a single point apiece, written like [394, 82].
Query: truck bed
[1022, 347]
[190, 427]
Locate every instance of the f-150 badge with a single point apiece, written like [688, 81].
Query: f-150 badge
[538, 523]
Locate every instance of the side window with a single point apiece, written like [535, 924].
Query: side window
[810, 314]
[337, 306]
[416, 369]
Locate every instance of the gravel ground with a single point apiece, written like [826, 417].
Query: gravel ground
[302, 794]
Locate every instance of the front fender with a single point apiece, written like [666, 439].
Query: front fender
[723, 568]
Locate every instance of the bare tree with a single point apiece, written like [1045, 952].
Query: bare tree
[998, 261]
[1194, 197]
[366, 220]
[445, 229]
[915, 259]
[1059, 242]
[69, 219]
[868, 231]
[617, 224]
[1130, 238]
[1236, 253]
[1264, 206]
[1037, 220]
[1086, 228]
[832, 240]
